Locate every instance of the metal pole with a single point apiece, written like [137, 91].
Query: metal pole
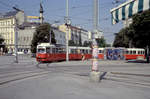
[147, 54]
[94, 43]
[67, 32]
[67, 9]
[16, 42]
[95, 74]
[50, 37]
[67, 47]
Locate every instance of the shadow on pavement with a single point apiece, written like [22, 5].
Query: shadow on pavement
[102, 76]
[137, 61]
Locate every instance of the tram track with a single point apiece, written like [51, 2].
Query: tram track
[44, 69]
[12, 77]
[129, 82]
[29, 73]
[129, 78]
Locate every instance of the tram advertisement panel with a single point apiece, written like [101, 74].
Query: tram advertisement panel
[114, 54]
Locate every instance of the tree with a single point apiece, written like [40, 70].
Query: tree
[121, 38]
[71, 43]
[101, 42]
[87, 43]
[141, 31]
[137, 34]
[2, 45]
[1, 42]
[42, 35]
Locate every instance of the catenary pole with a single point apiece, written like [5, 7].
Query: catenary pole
[16, 41]
[95, 32]
[67, 30]
[95, 74]
[16, 35]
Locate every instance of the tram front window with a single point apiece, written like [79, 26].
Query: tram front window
[41, 50]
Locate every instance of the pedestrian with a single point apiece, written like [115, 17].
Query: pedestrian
[83, 57]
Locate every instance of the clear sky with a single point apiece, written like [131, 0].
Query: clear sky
[80, 13]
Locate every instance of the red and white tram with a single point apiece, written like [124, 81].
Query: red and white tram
[50, 53]
[134, 53]
[101, 53]
[121, 53]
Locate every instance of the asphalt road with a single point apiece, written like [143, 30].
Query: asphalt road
[70, 80]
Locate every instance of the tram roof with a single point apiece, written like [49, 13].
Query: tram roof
[135, 49]
[76, 47]
[45, 44]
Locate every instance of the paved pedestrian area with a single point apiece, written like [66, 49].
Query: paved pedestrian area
[70, 80]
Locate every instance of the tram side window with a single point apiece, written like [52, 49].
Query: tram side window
[138, 52]
[101, 51]
[134, 52]
[72, 51]
[41, 50]
[56, 50]
[48, 50]
[131, 52]
[86, 51]
[53, 50]
[81, 51]
[127, 52]
[78, 51]
[60, 50]
[143, 52]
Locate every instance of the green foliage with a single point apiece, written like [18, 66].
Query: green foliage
[108, 45]
[101, 42]
[141, 29]
[87, 43]
[2, 44]
[1, 41]
[121, 39]
[137, 34]
[71, 43]
[42, 35]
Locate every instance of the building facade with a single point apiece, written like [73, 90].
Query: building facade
[76, 34]
[8, 23]
[16, 21]
[25, 36]
[59, 35]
